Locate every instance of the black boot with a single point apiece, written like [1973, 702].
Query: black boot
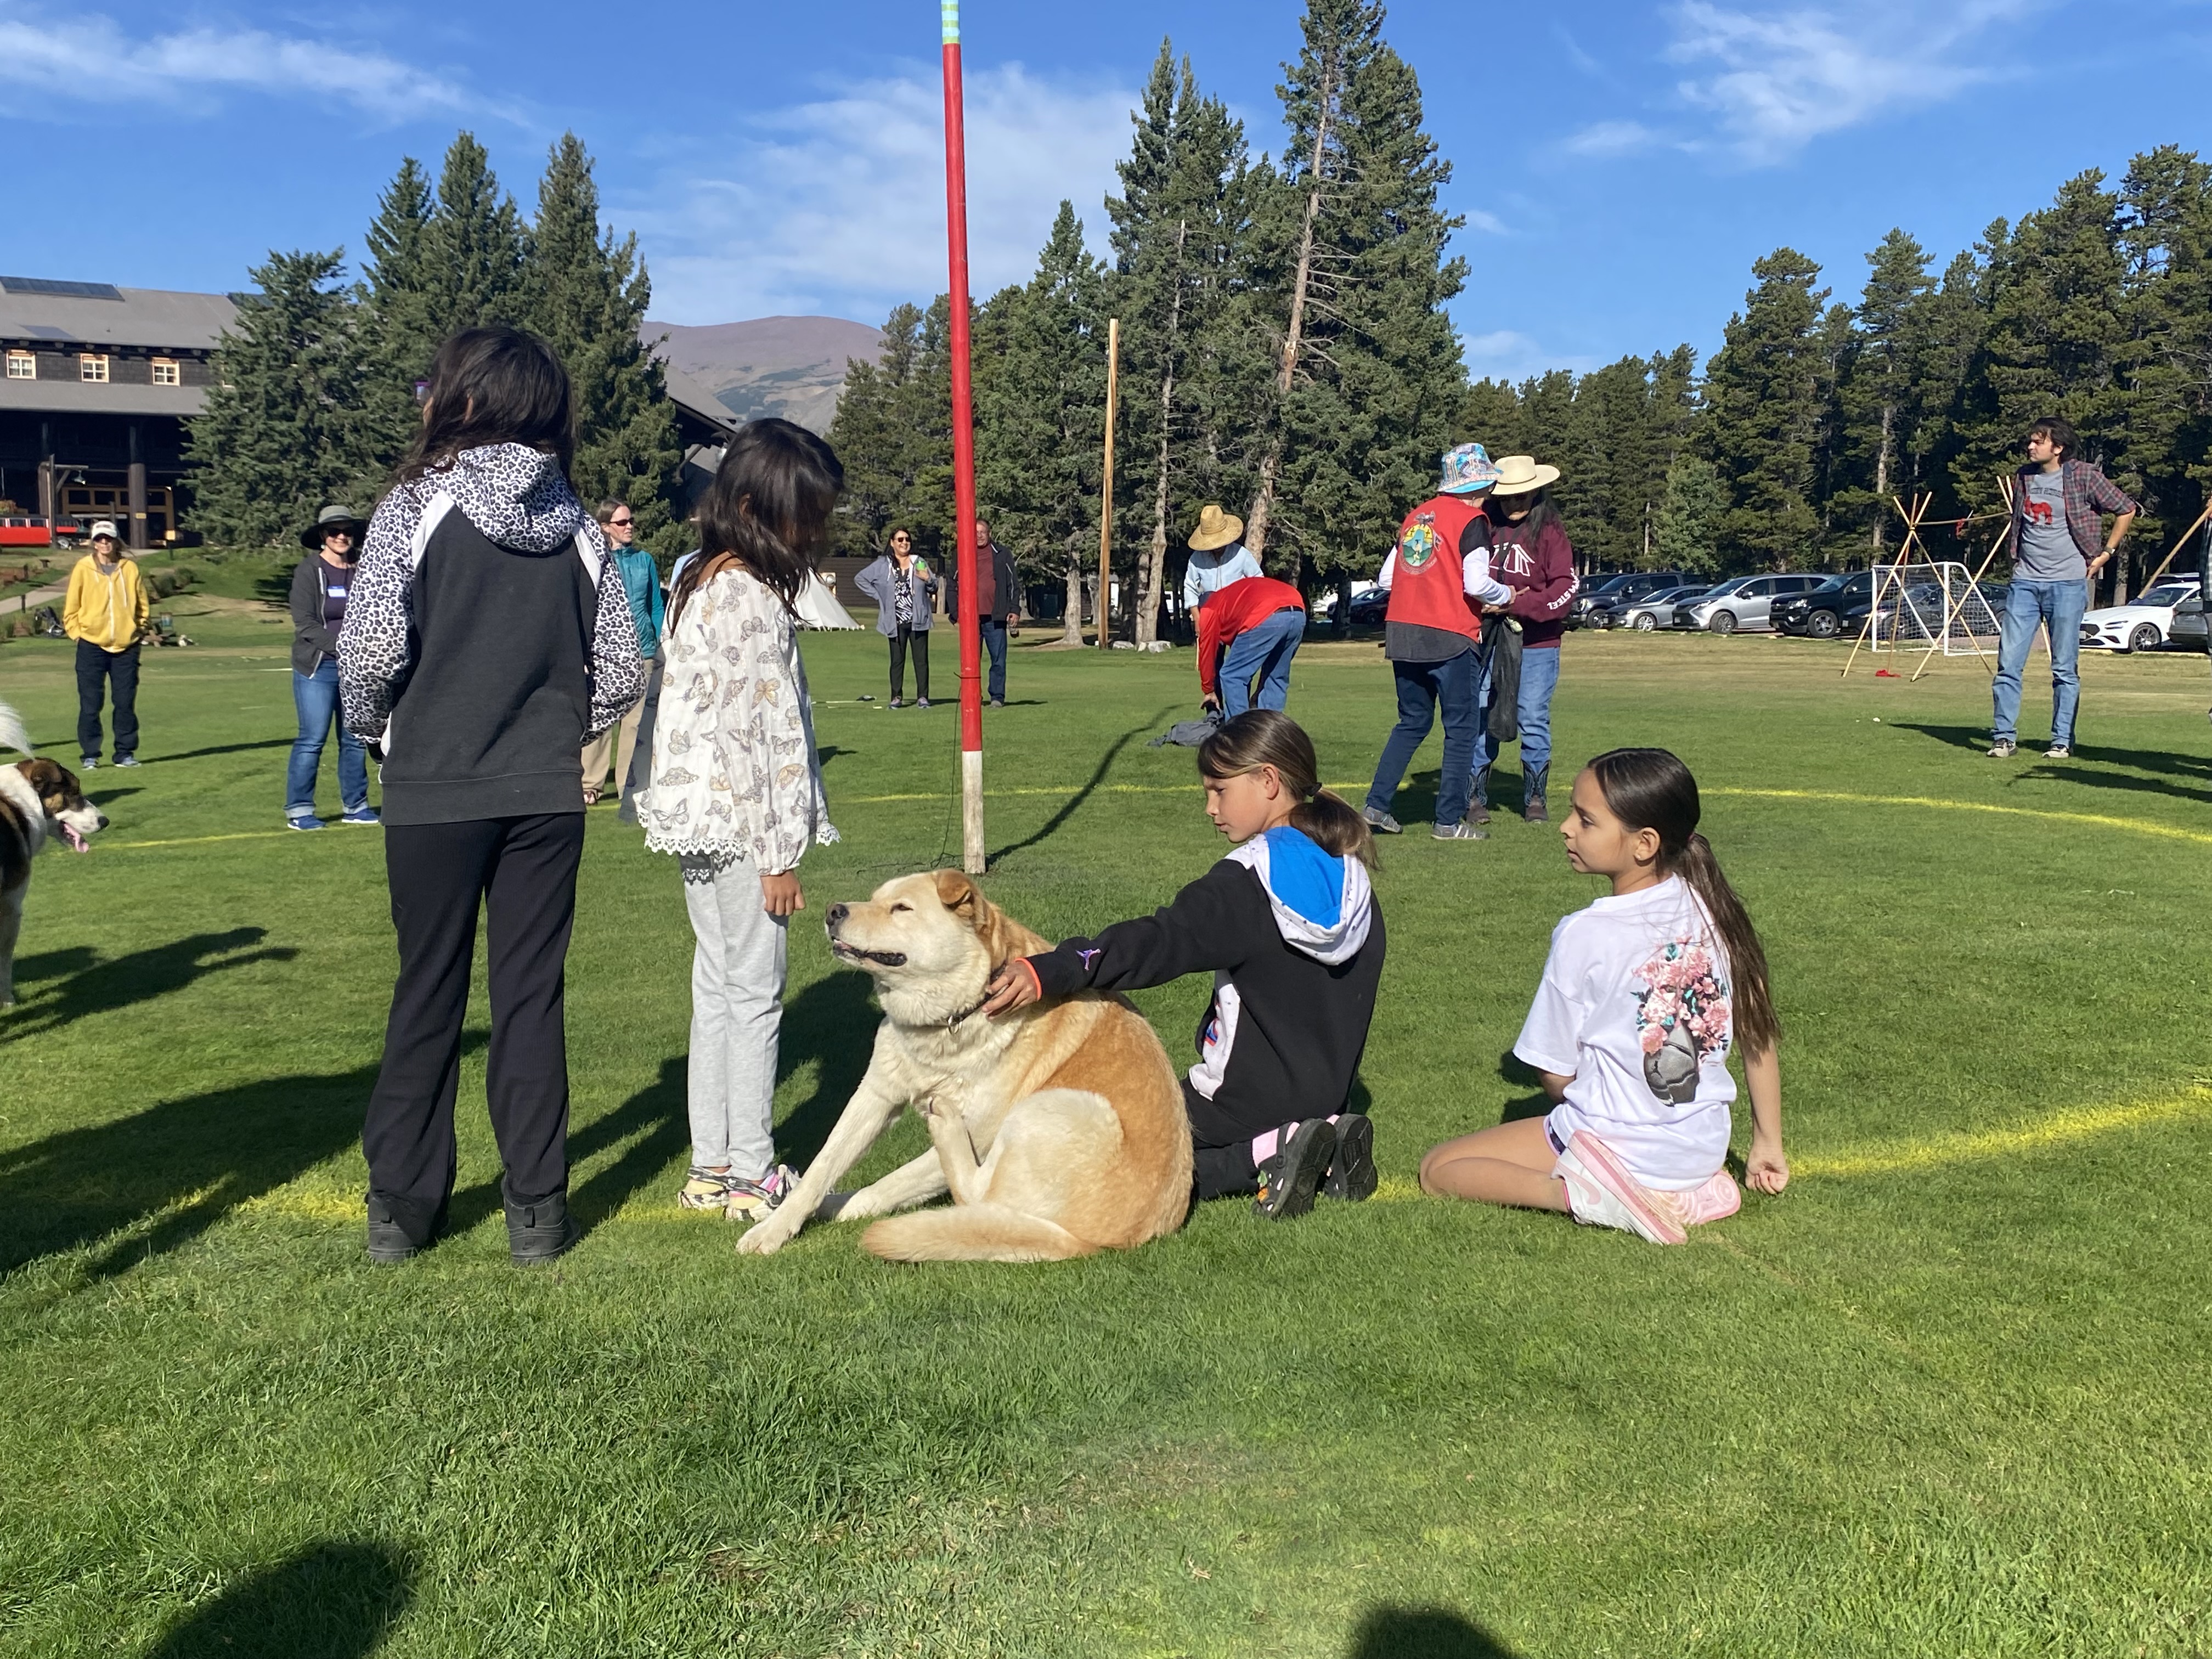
[1478, 804]
[539, 1230]
[1289, 1180]
[388, 1241]
[1532, 796]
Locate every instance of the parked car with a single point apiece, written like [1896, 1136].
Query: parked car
[1923, 611]
[1658, 611]
[1367, 606]
[1742, 604]
[1609, 594]
[1818, 614]
[2143, 623]
[2188, 628]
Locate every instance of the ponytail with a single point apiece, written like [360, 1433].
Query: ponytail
[1651, 789]
[1264, 736]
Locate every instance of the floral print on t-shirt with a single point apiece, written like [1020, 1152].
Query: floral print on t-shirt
[1681, 1017]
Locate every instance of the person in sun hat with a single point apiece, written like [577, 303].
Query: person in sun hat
[106, 614]
[1217, 556]
[321, 585]
[1438, 576]
[1530, 553]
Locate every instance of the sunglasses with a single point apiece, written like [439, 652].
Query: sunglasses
[620, 524]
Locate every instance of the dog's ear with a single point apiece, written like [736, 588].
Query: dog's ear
[48, 778]
[965, 900]
[957, 894]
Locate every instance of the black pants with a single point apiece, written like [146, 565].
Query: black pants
[523, 870]
[917, 641]
[96, 670]
[1221, 1148]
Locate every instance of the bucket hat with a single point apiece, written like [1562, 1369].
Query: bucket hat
[1519, 474]
[1215, 529]
[329, 519]
[1466, 469]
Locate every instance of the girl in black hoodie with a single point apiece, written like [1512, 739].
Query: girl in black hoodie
[1289, 926]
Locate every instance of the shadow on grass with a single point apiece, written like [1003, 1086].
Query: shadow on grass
[159, 1178]
[142, 976]
[224, 749]
[2143, 760]
[1423, 1633]
[328, 1600]
[1521, 1075]
[1074, 803]
[833, 1024]
[2061, 773]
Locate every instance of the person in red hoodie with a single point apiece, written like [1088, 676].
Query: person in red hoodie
[1529, 553]
[1252, 628]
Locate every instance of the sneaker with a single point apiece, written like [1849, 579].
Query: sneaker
[1352, 1171]
[387, 1240]
[362, 815]
[90, 764]
[1716, 1200]
[1289, 1180]
[921, 702]
[704, 1189]
[126, 760]
[2003, 749]
[2057, 752]
[749, 1200]
[307, 821]
[1382, 823]
[1602, 1193]
[895, 702]
[1462, 831]
[540, 1231]
[998, 702]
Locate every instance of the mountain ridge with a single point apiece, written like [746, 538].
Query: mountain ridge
[793, 367]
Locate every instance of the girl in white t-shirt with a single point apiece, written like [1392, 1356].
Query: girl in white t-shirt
[1642, 996]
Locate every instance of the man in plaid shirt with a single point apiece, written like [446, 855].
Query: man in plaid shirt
[2058, 547]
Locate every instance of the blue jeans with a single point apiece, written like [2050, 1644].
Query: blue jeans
[316, 698]
[1422, 687]
[2058, 606]
[1265, 649]
[1539, 677]
[994, 642]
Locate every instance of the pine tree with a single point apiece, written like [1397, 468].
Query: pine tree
[1763, 411]
[893, 432]
[398, 332]
[280, 435]
[2165, 237]
[586, 295]
[1489, 415]
[472, 246]
[1880, 398]
[1692, 504]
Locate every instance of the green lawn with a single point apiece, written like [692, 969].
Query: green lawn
[1945, 1396]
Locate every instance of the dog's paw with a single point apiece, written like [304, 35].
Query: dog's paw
[766, 1238]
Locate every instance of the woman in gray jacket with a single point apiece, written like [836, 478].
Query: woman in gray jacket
[319, 587]
[905, 593]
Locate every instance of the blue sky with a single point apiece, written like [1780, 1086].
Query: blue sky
[1620, 164]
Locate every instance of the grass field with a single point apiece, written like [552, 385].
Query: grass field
[1945, 1396]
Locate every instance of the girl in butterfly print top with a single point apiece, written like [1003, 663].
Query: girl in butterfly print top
[1642, 996]
[735, 792]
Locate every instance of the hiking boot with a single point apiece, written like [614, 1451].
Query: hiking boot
[1478, 804]
[1382, 823]
[2059, 751]
[2003, 749]
[387, 1239]
[540, 1230]
[1352, 1171]
[1289, 1180]
[1532, 805]
[1462, 831]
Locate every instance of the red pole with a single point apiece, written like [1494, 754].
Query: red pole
[963, 454]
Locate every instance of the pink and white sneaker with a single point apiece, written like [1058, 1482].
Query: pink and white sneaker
[1716, 1200]
[1602, 1193]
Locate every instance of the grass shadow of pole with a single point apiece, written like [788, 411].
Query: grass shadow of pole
[141, 977]
[1422, 1633]
[331, 1600]
[1074, 803]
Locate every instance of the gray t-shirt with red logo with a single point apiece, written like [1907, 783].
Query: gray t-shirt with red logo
[2047, 550]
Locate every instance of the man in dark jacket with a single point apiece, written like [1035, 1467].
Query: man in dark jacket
[998, 604]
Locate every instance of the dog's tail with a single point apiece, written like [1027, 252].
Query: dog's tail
[972, 1232]
[12, 734]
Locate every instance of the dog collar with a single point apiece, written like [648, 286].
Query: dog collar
[968, 1012]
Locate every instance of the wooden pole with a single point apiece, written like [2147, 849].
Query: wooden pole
[1106, 487]
[963, 454]
[2195, 524]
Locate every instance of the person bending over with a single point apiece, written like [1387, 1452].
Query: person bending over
[1642, 998]
[1289, 927]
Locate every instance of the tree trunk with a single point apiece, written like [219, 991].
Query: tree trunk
[1148, 602]
[1071, 624]
[1263, 499]
[1881, 481]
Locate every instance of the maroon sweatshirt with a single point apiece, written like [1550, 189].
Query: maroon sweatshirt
[1542, 575]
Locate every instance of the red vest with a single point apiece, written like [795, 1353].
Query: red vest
[1428, 584]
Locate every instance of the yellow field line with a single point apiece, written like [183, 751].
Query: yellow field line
[196, 841]
[2102, 821]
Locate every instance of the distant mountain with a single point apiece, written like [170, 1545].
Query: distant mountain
[786, 365]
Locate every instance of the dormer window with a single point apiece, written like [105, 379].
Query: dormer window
[22, 366]
[165, 372]
[92, 366]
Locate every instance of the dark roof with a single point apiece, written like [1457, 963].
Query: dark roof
[96, 315]
[102, 397]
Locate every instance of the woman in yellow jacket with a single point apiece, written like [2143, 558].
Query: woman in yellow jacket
[105, 613]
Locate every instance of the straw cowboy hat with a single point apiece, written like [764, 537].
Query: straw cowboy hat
[332, 519]
[1519, 474]
[1215, 529]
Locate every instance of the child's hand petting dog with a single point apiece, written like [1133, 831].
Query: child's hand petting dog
[1014, 985]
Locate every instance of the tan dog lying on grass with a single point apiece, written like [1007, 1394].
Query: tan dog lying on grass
[1059, 1130]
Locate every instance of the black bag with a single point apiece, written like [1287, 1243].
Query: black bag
[1504, 680]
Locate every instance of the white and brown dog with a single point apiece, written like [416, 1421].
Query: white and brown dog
[1059, 1129]
[40, 801]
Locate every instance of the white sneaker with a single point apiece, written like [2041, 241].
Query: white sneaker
[1601, 1192]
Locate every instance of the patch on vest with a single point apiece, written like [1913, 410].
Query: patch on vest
[1418, 545]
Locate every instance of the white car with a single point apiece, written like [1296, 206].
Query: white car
[2144, 624]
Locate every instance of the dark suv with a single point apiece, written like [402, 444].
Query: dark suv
[1598, 604]
[1820, 614]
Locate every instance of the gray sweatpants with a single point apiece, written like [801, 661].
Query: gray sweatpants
[737, 1013]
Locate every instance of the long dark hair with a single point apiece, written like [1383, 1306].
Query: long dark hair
[493, 386]
[1651, 789]
[1261, 736]
[1530, 530]
[767, 509]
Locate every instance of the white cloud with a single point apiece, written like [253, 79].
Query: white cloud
[838, 204]
[1610, 139]
[1506, 353]
[74, 65]
[1780, 79]
[1488, 223]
